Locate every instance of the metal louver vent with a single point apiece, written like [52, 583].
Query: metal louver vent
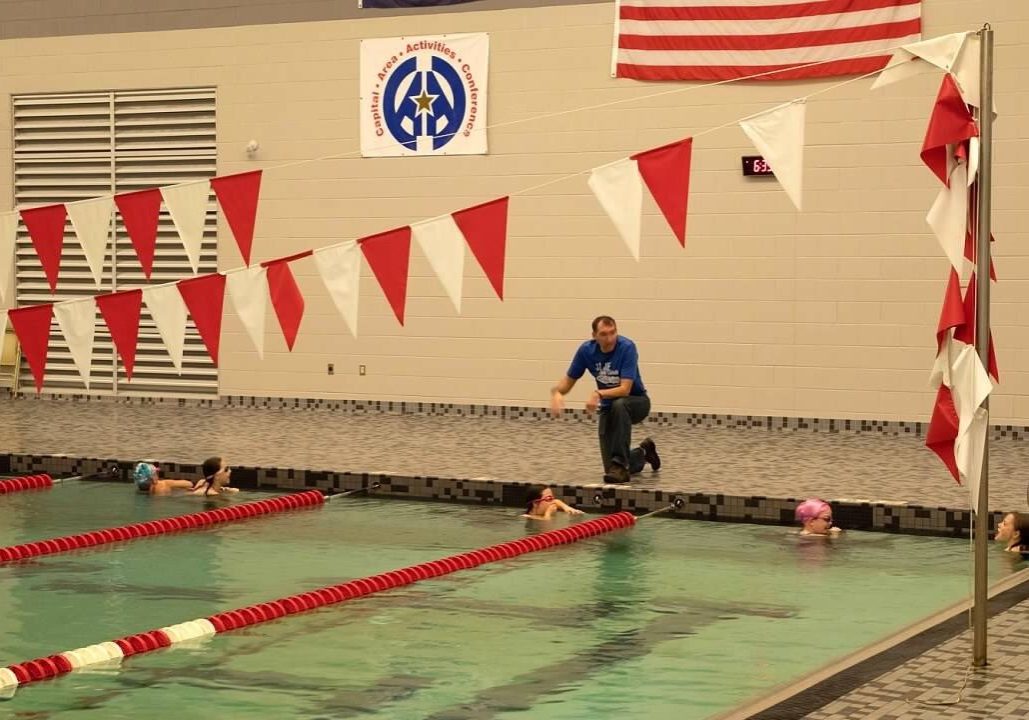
[76, 146]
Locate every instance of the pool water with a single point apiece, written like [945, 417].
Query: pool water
[670, 619]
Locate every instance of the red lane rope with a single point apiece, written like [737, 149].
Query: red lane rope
[53, 665]
[28, 482]
[159, 527]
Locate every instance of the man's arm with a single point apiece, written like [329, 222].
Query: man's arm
[558, 392]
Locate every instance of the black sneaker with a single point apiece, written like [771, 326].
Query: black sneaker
[616, 474]
[650, 453]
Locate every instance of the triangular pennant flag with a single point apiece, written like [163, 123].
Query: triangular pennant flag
[943, 430]
[965, 70]
[340, 270]
[619, 189]
[205, 296]
[950, 124]
[77, 321]
[46, 228]
[948, 217]
[966, 333]
[969, 450]
[248, 289]
[973, 214]
[937, 52]
[188, 207]
[121, 313]
[485, 230]
[286, 299]
[952, 314]
[3, 327]
[388, 254]
[666, 170]
[169, 313]
[442, 244]
[8, 241]
[32, 326]
[92, 222]
[778, 134]
[237, 195]
[140, 212]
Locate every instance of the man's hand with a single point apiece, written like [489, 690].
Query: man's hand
[593, 402]
[557, 403]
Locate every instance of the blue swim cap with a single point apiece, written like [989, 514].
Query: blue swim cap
[143, 475]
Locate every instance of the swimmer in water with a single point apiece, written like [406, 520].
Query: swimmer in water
[815, 517]
[1013, 531]
[542, 505]
[217, 476]
[146, 477]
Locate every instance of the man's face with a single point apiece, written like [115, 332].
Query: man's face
[606, 336]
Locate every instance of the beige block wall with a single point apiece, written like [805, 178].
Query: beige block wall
[830, 312]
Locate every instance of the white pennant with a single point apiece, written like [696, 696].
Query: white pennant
[92, 222]
[340, 270]
[971, 387]
[619, 189]
[8, 238]
[248, 289]
[443, 244]
[168, 310]
[77, 321]
[188, 207]
[3, 327]
[778, 135]
[948, 217]
[914, 58]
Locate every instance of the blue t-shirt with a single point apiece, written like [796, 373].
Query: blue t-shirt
[609, 368]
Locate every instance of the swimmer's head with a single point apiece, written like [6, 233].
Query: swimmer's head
[538, 495]
[144, 475]
[811, 509]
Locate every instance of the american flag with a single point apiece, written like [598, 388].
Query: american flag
[727, 39]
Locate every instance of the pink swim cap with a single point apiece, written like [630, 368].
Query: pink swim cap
[810, 509]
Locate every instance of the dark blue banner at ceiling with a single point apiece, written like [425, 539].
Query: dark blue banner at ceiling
[391, 4]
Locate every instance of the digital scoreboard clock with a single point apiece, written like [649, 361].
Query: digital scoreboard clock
[756, 165]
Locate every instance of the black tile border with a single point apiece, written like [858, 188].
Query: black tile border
[598, 498]
[833, 688]
[352, 406]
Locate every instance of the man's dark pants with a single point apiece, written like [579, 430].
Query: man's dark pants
[615, 431]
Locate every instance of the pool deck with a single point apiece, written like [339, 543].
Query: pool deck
[873, 466]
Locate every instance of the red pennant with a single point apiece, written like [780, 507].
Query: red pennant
[286, 298]
[121, 313]
[966, 332]
[46, 228]
[952, 315]
[943, 430]
[204, 297]
[388, 254]
[485, 230]
[666, 170]
[32, 326]
[139, 213]
[237, 195]
[950, 124]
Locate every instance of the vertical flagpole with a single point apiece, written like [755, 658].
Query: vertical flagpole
[982, 332]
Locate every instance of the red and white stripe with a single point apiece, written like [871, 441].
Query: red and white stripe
[728, 39]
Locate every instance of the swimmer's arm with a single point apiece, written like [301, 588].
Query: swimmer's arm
[564, 507]
[227, 489]
[180, 484]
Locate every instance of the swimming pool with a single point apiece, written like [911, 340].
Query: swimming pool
[669, 619]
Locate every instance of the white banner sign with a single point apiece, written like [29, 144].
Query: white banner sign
[424, 96]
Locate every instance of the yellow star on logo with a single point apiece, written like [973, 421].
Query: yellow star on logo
[424, 102]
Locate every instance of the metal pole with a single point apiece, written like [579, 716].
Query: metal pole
[982, 332]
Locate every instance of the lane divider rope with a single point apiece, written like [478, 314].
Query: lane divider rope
[176, 523]
[52, 666]
[26, 482]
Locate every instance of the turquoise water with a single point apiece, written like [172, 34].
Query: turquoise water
[671, 619]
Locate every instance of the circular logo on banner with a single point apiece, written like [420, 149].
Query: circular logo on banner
[428, 97]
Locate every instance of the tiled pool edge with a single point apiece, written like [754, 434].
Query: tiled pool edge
[360, 406]
[849, 514]
[820, 688]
